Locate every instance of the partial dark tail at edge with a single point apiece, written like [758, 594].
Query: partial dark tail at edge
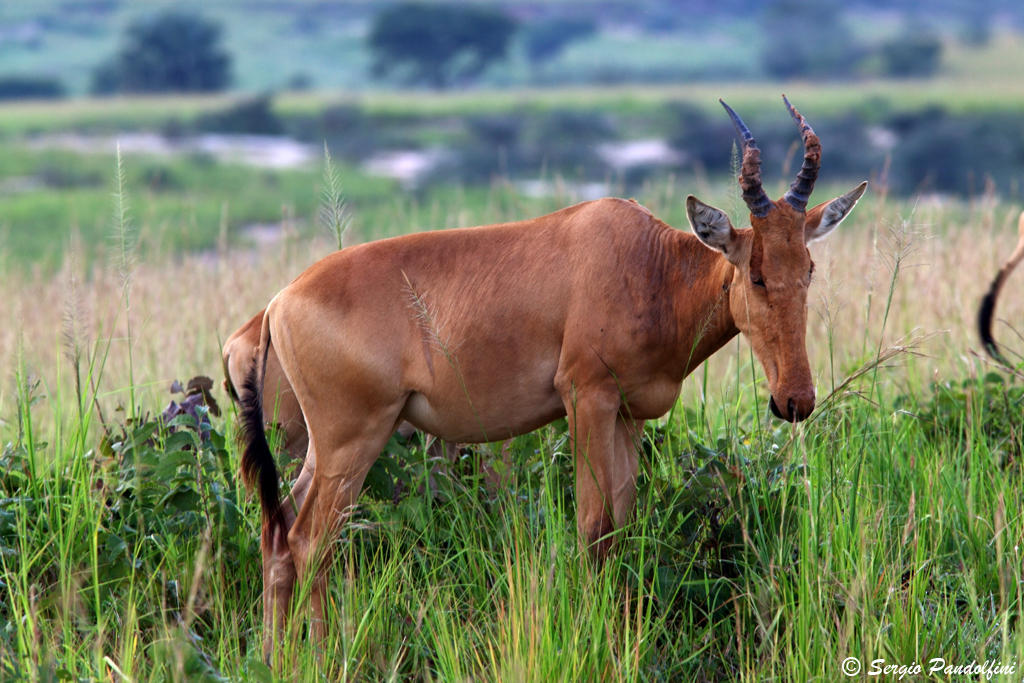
[258, 466]
[987, 309]
[985, 314]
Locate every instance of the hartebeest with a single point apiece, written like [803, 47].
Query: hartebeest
[987, 309]
[597, 311]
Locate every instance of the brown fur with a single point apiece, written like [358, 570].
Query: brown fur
[280, 407]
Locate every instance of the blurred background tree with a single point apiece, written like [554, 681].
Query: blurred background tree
[976, 30]
[807, 39]
[438, 45]
[914, 53]
[545, 40]
[168, 52]
[17, 86]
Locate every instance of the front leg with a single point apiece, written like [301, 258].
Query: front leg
[628, 436]
[604, 448]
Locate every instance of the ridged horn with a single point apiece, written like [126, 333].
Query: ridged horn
[800, 191]
[750, 171]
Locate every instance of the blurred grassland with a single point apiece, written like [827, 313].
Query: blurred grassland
[189, 202]
[184, 305]
[957, 94]
[982, 79]
[183, 203]
[325, 44]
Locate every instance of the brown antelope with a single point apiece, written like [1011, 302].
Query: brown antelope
[596, 312]
[988, 304]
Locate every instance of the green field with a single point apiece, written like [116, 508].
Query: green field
[967, 92]
[889, 526]
[185, 203]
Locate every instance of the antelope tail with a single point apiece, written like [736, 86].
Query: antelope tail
[258, 466]
[986, 312]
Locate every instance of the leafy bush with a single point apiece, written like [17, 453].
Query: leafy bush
[169, 478]
[253, 116]
[493, 147]
[516, 145]
[347, 129]
[984, 410]
[568, 138]
[699, 136]
[64, 176]
[165, 485]
[159, 177]
[719, 494]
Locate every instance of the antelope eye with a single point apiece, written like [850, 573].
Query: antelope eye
[757, 280]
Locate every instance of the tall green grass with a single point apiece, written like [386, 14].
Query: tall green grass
[885, 528]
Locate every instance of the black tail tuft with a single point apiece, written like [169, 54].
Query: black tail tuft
[985, 313]
[987, 310]
[258, 466]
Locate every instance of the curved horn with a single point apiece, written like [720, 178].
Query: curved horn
[750, 172]
[800, 191]
[988, 304]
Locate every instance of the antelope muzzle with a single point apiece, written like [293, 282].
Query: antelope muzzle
[797, 406]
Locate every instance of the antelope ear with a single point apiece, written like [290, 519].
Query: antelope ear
[823, 219]
[711, 226]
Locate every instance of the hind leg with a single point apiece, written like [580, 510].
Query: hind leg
[278, 564]
[347, 449]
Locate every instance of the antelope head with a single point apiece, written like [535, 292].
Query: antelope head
[772, 265]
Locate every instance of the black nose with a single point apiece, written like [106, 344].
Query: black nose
[793, 412]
